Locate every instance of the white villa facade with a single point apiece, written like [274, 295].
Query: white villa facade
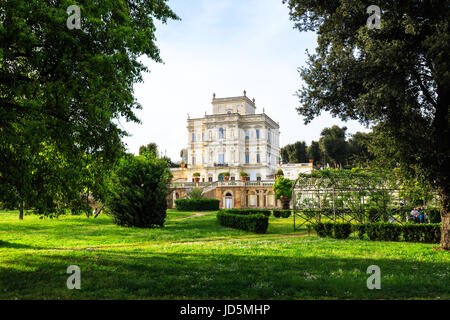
[234, 139]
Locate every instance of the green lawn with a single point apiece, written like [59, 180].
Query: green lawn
[196, 258]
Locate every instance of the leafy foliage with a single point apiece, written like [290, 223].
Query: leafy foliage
[283, 188]
[395, 77]
[61, 91]
[137, 191]
[256, 223]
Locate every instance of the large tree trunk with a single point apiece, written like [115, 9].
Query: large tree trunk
[445, 217]
[20, 210]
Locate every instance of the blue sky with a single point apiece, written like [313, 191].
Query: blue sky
[225, 47]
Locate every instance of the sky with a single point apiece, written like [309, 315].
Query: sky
[224, 47]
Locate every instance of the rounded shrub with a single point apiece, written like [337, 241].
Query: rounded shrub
[137, 190]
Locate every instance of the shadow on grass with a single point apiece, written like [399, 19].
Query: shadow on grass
[217, 274]
[13, 245]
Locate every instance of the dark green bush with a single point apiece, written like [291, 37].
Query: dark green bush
[428, 233]
[342, 230]
[137, 190]
[247, 211]
[383, 231]
[328, 228]
[286, 213]
[331, 229]
[257, 223]
[361, 229]
[197, 204]
[373, 231]
[434, 214]
[320, 229]
[412, 232]
[281, 213]
[391, 231]
[431, 233]
[277, 213]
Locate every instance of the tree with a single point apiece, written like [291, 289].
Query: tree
[395, 77]
[333, 145]
[314, 152]
[294, 153]
[283, 190]
[359, 149]
[63, 89]
[151, 147]
[137, 191]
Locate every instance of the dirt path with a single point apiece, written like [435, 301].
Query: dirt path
[190, 217]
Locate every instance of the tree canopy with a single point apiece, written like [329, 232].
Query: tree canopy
[396, 77]
[63, 92]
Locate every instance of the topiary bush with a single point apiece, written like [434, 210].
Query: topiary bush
[277, 213]
[136, 191]
[320, 229]
[282, 213]
[328, 228]
[197, 204]
[286, 213]
[256, 223]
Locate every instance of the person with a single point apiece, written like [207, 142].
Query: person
[95, 212]
[421, 215]
[414, 215]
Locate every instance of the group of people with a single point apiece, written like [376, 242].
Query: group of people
[418, 215]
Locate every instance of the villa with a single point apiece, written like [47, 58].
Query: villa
[233, 155]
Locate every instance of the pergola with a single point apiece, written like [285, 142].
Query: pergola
[342, 195]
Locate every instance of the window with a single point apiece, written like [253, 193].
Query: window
[257, 133]
[229, 112]
[247, 134]
[258, 178]
[221, 158]
[210, 179]
[233, 178]
[220, 133]
[193, 161]
[258, 158]
[193, 137]
[247, 158]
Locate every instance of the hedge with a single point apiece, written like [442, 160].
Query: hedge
[282, 213]
[257, 223]
[197, 204]
[379, 231]
[427, 233]
[326, 229]
[247, 211]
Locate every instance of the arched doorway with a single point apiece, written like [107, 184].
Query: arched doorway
[228, 200]
[221, 177]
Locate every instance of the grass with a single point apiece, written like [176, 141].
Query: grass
[193, 257]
